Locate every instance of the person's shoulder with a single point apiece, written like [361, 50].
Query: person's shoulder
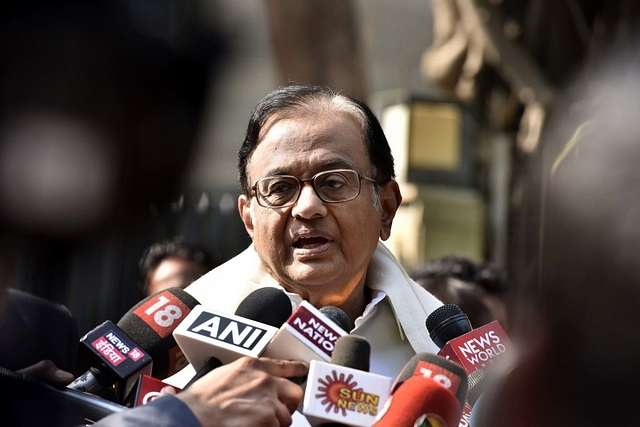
[28, 302]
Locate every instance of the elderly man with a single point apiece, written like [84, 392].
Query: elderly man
[318, 194]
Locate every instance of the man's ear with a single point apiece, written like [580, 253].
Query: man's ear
[244, 207]
[390, 199]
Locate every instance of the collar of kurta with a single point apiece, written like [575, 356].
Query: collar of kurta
[224, 287]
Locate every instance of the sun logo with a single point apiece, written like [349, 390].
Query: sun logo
[339, 393]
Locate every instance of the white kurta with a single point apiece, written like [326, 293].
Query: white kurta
[393, 323]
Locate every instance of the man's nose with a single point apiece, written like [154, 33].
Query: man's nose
[309, 204]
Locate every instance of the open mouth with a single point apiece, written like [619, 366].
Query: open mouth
[309, 242]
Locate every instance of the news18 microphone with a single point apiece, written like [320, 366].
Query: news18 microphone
[210, 338]
[343, 392]
[429, 392]
[114, 356]
[473, 349]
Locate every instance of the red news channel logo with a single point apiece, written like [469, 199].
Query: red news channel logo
[163, 313]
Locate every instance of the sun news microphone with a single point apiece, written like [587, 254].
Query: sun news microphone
[473, 349]
[343, 392]
[114, 356]
[308, 334]
[429, 391]
[211, 338]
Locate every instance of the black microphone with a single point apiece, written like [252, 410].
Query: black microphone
[476, 388]
[475, 349]
[338, 316]
[210, 339]
[446, 323]
[114, 356]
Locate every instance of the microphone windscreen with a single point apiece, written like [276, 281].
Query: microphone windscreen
[446, 323]
[415, 364]
[269, 305]
[151, 329]
[352, 351]
[338, 316]
[476, 386]
[421, 402]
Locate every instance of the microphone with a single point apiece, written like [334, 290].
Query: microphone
[308, 334]
[338, 316]
[476, 388]
[429, 391]
[114, 356]
[210, 338]
[148, 389]
[473, 349]
[30, 402]
[343, 392]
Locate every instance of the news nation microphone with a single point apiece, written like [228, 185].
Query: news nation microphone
[429, 392]
[210, 338]
[473, 349]
[343, 392]
[114, 356]
[308, 334]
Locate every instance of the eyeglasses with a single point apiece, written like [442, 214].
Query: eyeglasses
[334, 186]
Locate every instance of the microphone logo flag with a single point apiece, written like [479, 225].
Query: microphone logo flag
[161, 312]
[479, 348]
[344, 394]
[309, 326]
[205, 333]
[227, 330]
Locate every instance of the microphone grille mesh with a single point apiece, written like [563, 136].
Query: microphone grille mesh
[352, 351]
[441, 314]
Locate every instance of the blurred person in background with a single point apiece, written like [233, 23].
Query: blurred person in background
[480, 289]
[578, 362]
[173, 264]
[100, 106]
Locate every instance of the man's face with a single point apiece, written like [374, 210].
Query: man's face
[174, 272]
[312, 247]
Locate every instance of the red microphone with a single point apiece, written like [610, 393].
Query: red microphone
[429, 392]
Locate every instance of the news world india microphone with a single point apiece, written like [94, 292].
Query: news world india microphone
[114, 356]
[430, 391]
[343, 392]
[473, 349]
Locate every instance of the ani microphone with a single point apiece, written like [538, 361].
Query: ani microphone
[429, 392]
[210, 338]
